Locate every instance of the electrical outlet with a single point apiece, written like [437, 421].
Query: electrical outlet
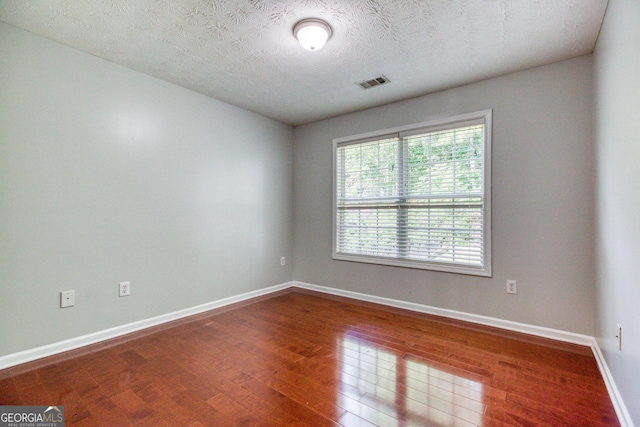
[67, 299]
[282, 260]
[619, 337]
[125, 289]
[512, 287]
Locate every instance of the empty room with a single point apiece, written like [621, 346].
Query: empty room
[279, 213]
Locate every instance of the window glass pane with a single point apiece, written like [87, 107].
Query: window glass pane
[446, 162]
[368, 231]
[447, 233]
[369, 169]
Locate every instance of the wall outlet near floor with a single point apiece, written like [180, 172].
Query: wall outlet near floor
[619, 337]
[125, 289]
[282, 260]
[67, 299]
[512, 287]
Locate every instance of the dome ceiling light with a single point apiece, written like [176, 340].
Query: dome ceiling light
[312, 33]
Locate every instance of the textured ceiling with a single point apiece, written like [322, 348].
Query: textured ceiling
[243, 51]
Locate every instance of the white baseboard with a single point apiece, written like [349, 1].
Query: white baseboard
[84, 340]
[458, 315]
[621, 410]
[74, 343]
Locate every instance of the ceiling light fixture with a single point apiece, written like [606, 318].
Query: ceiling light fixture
[312, 33]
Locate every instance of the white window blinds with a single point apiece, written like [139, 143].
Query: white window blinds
[416, 198]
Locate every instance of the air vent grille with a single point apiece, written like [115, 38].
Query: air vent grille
[376, 81]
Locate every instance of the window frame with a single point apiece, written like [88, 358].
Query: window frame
[428, 126]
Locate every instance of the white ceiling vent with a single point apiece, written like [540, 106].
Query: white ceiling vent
[376, 81]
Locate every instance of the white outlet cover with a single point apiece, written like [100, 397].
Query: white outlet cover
[125, 289]
[67, 299]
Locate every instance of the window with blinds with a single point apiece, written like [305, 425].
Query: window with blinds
[416, 196]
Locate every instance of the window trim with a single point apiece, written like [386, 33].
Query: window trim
[486, 270]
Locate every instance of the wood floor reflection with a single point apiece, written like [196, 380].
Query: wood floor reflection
[304, 359]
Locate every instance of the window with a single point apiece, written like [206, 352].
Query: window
[416, 196]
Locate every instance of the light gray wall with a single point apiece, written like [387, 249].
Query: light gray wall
[617, 134]
[543, 177]
[109, 175]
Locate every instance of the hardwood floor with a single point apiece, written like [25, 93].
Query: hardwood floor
[303, 359]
